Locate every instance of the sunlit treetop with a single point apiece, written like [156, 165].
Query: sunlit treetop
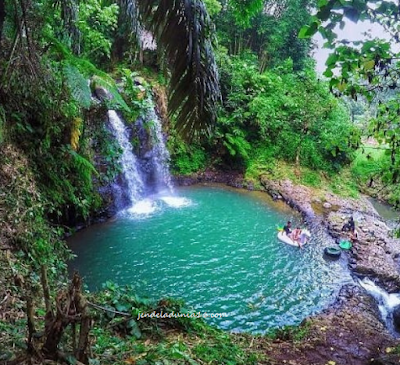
[369, 67]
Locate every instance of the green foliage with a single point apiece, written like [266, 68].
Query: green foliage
[96, 24]
[185, 158]
[373, 171]
[244, 11]
[312, 178]
[23, 223]
[78, 86]
[292, 116]
[365, 67]
[290, 333]
[213, 7]
[123, 338]
[370, 163]
[138, 97]
[271, 34]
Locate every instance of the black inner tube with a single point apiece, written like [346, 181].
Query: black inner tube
[332, 251]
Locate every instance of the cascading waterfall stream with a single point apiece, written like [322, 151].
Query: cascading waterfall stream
[145, 168]
[153, 156]
[386, 302]
[133, 179]
[161, 155]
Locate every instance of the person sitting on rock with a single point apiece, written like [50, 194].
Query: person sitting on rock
[353, 235]
[349, 226]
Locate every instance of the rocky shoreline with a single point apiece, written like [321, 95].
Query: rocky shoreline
[351, 330]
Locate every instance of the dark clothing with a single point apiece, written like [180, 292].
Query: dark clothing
[287, 230]
[349, 226]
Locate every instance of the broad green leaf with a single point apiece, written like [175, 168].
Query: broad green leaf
[342, 86]
[331, 61]
[303, 32]
[369, 65]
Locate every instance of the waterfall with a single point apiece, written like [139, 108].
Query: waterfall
[160, 155]
[131, 174]
[152, 154]
[386, 302]
[145, 166]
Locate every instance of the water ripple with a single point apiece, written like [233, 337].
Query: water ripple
[219, 253]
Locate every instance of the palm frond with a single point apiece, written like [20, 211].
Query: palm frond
[86, 69]
[184, 31]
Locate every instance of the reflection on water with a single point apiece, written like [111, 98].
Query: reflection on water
[386, 211]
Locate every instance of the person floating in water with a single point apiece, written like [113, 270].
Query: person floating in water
[287, 228]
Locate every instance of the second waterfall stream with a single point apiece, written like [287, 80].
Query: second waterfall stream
[145, 178]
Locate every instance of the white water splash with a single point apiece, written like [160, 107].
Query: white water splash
[176, 201]
[386, 302]
[144, 207]
[128, 160]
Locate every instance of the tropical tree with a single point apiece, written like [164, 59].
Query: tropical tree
[182, 29]
[271, 33]
[368, 67]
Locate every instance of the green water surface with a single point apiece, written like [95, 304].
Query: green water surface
[219, 254]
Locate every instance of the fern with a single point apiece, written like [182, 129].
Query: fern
[85, 69]
[77, 85]
[237, 144]
[84, 167]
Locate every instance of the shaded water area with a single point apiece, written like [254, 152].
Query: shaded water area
[217, 249]
[386, 211]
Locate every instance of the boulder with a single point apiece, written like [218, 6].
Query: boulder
[101, 93]
[396, 317]
[327, 205]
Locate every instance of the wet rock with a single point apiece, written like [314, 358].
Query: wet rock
[139, 80]
[396, 317]
[349, 332]
[101, 93]
[393, 359]
[230, 178]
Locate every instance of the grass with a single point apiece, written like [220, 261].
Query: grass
[369, 162]
[342, 183]
[290, 333]
[122, 340]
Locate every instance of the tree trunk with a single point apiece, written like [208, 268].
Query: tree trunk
[55, 330]
[71, 308]
[31, 322]
[46, 290]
